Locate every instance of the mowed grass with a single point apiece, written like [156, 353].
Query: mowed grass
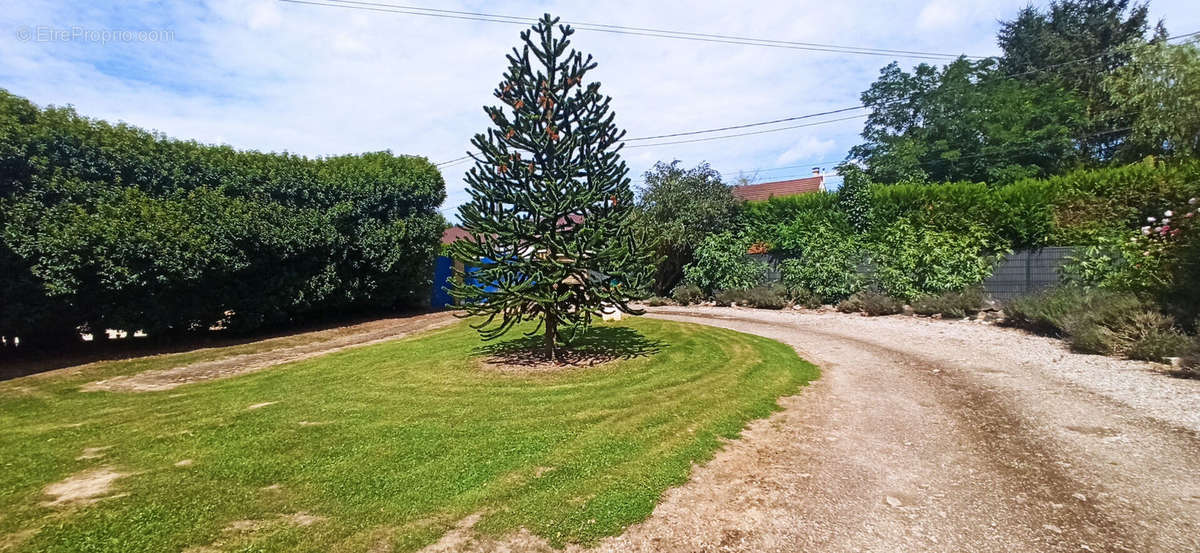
[386, 444]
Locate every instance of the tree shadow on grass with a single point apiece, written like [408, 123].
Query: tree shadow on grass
[597, 345]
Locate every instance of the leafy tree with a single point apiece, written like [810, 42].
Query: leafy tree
[1160, 89]
[722, 264]
[1074, 44]
[551, 209]
[680, 207]
[964, 121]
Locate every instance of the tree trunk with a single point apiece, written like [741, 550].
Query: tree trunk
[551, 335]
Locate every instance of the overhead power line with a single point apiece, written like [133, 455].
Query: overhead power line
[789, 127]
[383, 7]
[747, 125]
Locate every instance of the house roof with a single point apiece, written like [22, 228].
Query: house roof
[453, 233]
[778, 189]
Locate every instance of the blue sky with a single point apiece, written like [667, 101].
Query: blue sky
[272, 76]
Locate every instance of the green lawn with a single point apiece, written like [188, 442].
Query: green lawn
[412, 437]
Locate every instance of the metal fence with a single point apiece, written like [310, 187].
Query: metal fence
[1026, 271]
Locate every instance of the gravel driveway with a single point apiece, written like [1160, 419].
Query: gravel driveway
[927, 435]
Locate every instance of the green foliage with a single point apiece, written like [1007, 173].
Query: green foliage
[551, 216]
[111, 226]
[1160, 89]
[722, 264]
[1100, 321]
[1073, 44]
[872, 303]
[911, 262]
[854, 197]
[767, 296]
[1019, 215]
[954, 304]
[679, 207]
[686, 294]
[965, 121]
[822, 256]
[658, 301]
[765, 219]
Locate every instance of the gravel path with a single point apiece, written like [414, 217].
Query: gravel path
[928, 435]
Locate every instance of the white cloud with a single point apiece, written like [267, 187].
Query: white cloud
[805, 150]
[942, 14]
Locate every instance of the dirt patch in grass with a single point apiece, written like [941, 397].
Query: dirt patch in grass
[85, 487]
[358, 336]
[92, 453]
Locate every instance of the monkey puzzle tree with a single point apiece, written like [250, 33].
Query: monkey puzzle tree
[550, 220]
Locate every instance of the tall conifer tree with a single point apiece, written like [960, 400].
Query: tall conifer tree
[551, 212]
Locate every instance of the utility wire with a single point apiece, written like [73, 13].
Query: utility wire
[627, 30]
[772, 122]
[813, 124]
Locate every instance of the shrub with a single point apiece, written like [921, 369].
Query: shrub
[824, 257]
[806, 298]
[1189, 363]
[950, 304]
[910, 262]
[686, 294]
[1141, 334]
[1055, 310]
[771, 296]
[872, 303]
[725, 298]
[721, 263]
[658, 301]
[1100, 321]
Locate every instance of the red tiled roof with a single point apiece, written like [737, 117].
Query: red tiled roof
[455, 233]
[450, 235]
[778, 189]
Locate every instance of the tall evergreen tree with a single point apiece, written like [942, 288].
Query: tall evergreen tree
[551, 211]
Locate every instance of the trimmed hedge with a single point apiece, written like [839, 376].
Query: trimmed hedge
[110, 226]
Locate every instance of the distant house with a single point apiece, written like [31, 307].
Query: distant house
[780, 189]
[452, 234]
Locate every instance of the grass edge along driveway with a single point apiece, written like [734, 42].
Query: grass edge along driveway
[385, 444]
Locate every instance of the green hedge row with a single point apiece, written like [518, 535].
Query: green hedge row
[111, 226]
[932, 238]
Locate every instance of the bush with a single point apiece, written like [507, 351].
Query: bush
[686, 294]
[721, 263]
[910, 262]
[1142, 334]
[725, 298]
[806, 298]
[1100, 321]
[772, 296]
[658, 301]
[950, 304]
[1189, 363]
[872, 303]
[824, 257]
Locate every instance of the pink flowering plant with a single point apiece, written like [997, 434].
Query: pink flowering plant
[1140, 261]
